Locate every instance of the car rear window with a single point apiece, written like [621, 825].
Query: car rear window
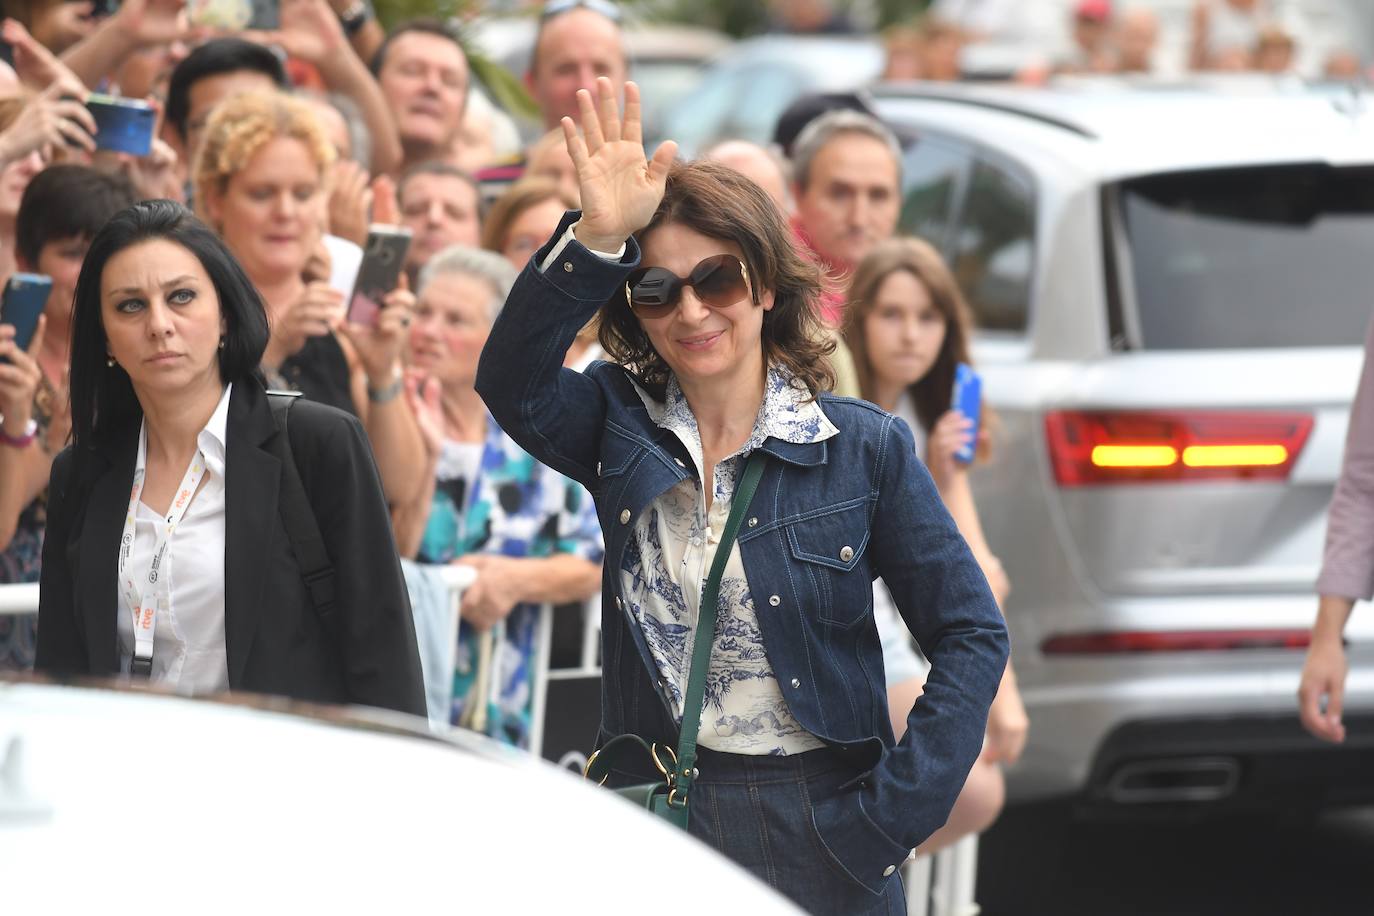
[1256, 257]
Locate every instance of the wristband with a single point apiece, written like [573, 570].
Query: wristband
[354, 17]
[384, 395]
[22, 441]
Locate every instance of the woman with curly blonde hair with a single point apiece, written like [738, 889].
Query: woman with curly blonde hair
[261, 181]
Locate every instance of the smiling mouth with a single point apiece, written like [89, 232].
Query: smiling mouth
[700, 341]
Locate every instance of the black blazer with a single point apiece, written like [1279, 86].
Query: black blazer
[274, 639]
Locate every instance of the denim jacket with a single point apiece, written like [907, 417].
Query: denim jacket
[827, 519]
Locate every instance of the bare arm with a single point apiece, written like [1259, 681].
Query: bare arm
[311, 31]
[368, 38]
[504, 582]
[137, 24]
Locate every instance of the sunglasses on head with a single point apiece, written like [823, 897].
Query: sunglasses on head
[718, 281]
[558, 7]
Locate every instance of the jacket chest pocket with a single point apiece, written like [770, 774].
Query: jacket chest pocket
[828, 548]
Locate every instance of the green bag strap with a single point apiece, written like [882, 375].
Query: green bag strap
[706, 630]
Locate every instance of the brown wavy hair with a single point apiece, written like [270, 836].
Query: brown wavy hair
[720, 203]
[933, 392]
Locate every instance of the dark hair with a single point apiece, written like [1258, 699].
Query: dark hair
[437, 167]
[102, 396]
[426, 25]
[67, 201]
[933, 391]
[720, 203]
[222, 55]
[525, 194]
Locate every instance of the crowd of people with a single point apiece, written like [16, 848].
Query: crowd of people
[583, 350]
[1114, 37]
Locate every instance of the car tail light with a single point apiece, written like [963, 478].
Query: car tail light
[1174, 641]
[1106, 447]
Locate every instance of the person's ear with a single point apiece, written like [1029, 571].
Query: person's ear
[23, 263]
[214, 209]
[766, 300]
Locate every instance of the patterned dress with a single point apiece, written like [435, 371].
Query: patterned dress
[666, 563]
[516, 507]
[21, 560]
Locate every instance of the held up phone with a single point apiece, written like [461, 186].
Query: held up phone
[226, 15]
[22, 303]
[122, 125]
[384, 257]
[968, 400]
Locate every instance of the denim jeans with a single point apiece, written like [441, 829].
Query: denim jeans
[757, 811]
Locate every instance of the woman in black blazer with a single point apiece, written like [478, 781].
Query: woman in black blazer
[168, 554]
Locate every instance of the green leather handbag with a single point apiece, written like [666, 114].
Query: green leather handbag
[668, 797]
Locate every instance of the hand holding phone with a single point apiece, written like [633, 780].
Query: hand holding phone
[384, 256]
[968, 400]
[22, 303]
[123, 125]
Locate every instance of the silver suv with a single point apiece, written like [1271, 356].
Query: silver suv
[1173, 286]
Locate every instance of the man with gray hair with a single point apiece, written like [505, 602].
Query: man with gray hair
[847, 172]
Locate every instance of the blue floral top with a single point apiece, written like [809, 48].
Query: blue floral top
[515, 507]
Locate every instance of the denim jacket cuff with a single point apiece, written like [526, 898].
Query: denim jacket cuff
[578, 272]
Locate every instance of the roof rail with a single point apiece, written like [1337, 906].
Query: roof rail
[920, 91]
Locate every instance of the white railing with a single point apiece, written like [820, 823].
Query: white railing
[19, 599]
[938, 885]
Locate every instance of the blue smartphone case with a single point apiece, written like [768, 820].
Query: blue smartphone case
[122, 125]
[22, 303]
[968, 400]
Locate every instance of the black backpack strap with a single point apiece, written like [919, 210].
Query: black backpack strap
[299, 518]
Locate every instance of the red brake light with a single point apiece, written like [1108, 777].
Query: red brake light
[1174, 641]
[1101, 447]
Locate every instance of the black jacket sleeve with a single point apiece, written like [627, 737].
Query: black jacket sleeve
[375, 629]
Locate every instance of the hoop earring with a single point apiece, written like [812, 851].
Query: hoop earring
[221, 343]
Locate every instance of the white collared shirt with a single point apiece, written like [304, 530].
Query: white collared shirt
[188, 643]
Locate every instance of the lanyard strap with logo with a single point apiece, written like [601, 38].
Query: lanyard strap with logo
[154, 595]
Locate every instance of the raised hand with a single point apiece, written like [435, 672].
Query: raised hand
[55, 117]
[349, 202]
[950, 433]
[19, 378]
[379, 346]
[620, 187]
[310, 31]
[36, 66]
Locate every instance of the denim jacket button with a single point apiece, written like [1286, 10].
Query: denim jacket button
[598, 469]
[887, 872]
[679, 462]
[796, 682]
[753, 522]
[846, 553]
[624, 516]
[567, 267]
[774, 600]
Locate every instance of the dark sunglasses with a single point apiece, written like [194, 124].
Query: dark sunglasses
[558, 7]
[718, 281]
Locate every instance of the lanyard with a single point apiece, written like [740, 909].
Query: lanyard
[155, 594]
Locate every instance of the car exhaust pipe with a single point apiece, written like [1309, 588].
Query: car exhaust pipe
[1191, 779]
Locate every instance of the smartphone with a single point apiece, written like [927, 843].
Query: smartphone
[22, 303]
[968, 400]
[227, 15]
[384, 257]
[122, 125]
